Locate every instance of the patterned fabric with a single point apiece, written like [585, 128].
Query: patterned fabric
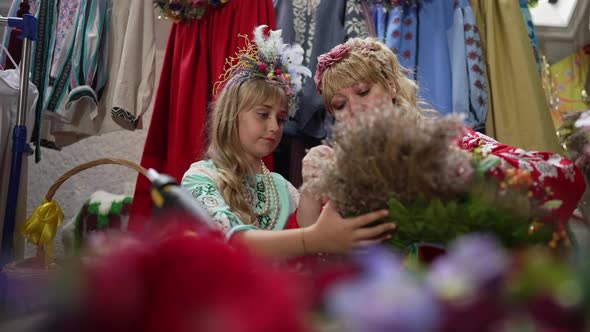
[304, 18]
[470, 96]
[67, 16]
[567, 82]
[549, 170]
[451, 78]
[119, 112]
[530, 26]
[401, 34]
[355, 23]
[201, 181]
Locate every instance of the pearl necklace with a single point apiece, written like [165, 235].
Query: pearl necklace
[271, 194]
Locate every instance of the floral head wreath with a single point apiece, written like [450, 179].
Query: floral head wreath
[269, 58]
[334, 56]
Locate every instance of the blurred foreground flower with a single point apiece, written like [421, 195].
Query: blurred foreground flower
[179, 281]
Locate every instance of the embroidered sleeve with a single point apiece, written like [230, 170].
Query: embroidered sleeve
[555, 177]
[205, 191]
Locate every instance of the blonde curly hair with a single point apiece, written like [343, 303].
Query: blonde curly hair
[367, 60]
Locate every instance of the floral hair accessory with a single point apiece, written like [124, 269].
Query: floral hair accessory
[334, 56]
[182, 10]
[269, 58]
[326, 60]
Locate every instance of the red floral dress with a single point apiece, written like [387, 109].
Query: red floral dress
[555, 177]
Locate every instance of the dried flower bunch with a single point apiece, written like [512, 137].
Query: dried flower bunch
[390, 152]
[394, 158]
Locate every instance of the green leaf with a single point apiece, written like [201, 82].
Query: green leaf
[397, 211]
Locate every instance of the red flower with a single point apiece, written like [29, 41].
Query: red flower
[470, 41]
[184, 281]
[397, 20]
[407, 54]
[395, 33]
[467, 27]
[408, 21]
[278, 71]
[408, 36]
[262, 67]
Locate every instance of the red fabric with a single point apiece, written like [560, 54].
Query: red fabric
[195, 57]
[292, 222]
[15, 48]
[549, 170]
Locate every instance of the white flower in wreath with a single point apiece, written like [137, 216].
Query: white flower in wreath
[546, 169]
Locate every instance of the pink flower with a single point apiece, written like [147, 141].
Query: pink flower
[327, 60]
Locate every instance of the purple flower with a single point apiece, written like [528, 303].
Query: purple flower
[384, 299]
[472, 262]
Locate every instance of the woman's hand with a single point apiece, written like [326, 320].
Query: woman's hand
[334, 234]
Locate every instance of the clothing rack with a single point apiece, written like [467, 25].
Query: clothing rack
[28, 25]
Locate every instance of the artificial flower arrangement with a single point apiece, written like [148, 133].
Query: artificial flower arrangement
[397, 159]
[183, 10]
[270, 58]
[477, 286]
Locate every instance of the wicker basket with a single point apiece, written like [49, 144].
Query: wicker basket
[24, 283]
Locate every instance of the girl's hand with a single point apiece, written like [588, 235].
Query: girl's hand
[334, 234]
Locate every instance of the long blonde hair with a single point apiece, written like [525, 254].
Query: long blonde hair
[371, 61]
[225, 149]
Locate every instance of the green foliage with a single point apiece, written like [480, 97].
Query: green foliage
[509, 217]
